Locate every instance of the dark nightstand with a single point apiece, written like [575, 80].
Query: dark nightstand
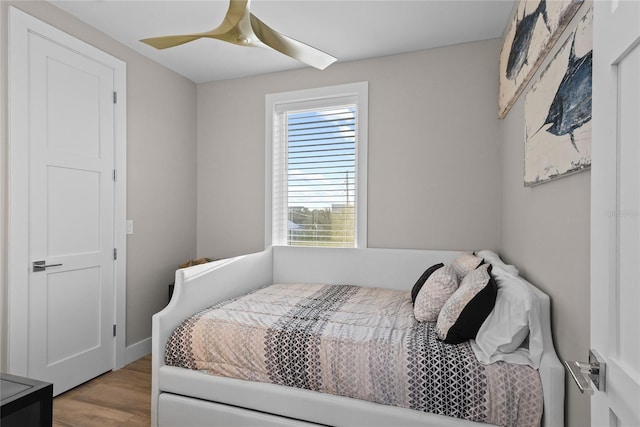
[25, 402]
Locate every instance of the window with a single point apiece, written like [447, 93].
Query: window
[316, 167]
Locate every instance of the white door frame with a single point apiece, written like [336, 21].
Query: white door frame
[20, 25]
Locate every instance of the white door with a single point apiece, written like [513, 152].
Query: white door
[615, 215]
[68, 201]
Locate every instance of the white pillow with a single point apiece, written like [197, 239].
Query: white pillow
[497, 263]
[435, 292]
[515, 317]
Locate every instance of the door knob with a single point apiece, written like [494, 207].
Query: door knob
[40, 266]
[586, 373]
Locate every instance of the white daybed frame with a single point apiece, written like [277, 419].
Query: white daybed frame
[182, 397]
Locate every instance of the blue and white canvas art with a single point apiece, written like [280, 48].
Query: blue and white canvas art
[558, 111]
[535, 27]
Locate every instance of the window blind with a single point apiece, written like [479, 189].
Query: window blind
[321, 176]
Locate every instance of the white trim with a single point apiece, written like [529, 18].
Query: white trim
[273, 101]
[138, 350]
[120, 212]
[268, 173]
[18, 249]
[20, 25]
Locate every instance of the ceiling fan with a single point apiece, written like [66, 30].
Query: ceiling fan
[241, 27]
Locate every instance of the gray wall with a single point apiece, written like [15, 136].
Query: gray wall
[161, 157]
[546, 233]
[434, 163]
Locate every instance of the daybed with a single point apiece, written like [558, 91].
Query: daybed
[184, 397]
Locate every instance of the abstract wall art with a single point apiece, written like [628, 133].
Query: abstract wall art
[534, 29]
[557, 111]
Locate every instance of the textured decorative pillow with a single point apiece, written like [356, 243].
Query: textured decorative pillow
[420, 283]
[465, 264]
[469, 306]
[434, 294]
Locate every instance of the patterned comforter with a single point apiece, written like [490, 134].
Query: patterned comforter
[358, 342]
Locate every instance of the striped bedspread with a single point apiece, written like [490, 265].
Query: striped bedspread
[352, 341]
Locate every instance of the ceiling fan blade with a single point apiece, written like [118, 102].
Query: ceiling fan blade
[291, 47]
[236, 11]
[230, 29]
[243, 28]
[170, 41]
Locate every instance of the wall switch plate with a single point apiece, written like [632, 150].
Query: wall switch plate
[129, 226]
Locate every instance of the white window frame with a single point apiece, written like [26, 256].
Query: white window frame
[319, 97]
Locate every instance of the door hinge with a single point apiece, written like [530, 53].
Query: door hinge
[114, 330]
[115, 175]
[115, 254]
[115, 97]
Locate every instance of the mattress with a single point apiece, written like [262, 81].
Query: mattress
[357, 342]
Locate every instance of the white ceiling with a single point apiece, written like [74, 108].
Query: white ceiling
[349, 30]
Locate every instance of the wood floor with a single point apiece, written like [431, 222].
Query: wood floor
[120, 398]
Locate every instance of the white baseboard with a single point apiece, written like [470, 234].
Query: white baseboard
[137, 350]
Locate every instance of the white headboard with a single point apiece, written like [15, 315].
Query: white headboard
[388, 268]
